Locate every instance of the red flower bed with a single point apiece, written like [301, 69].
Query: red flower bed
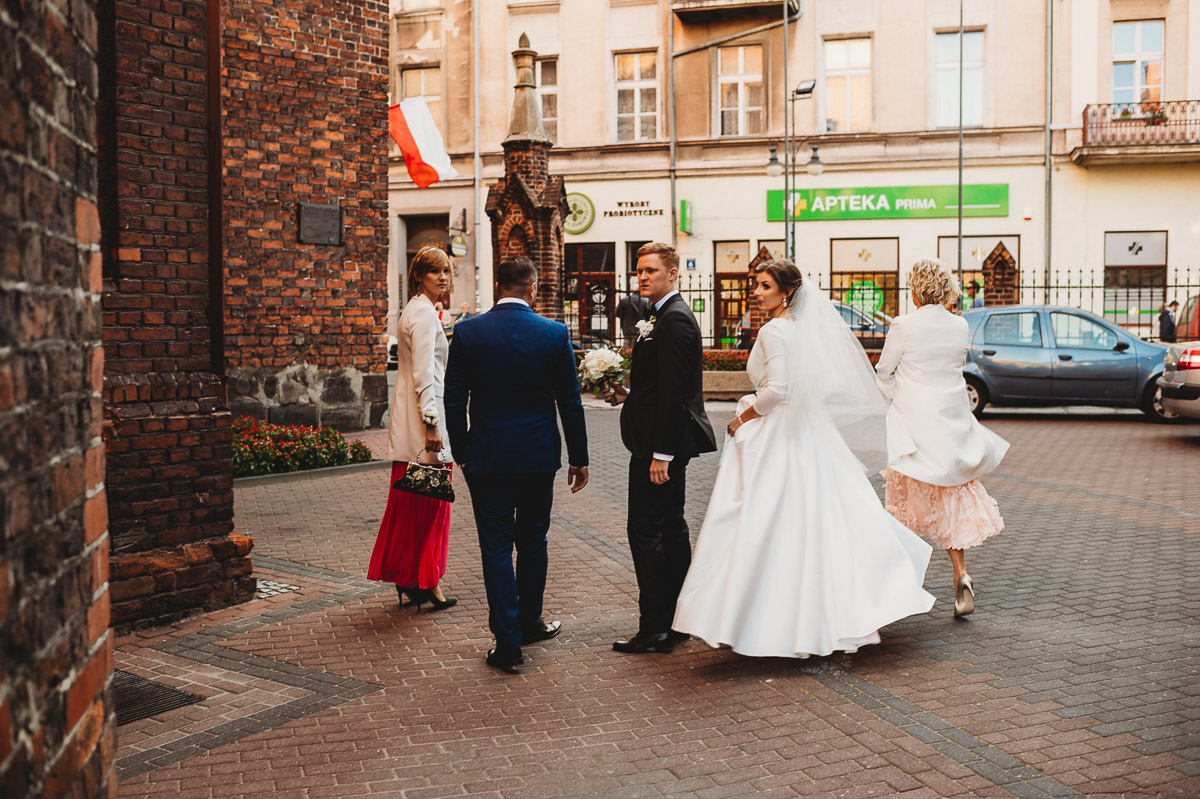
[725, 360]
[265, 448]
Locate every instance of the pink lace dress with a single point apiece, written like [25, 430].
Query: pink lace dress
[953, 517]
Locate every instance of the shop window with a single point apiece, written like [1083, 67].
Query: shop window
[589, 291]
[732, 260]
[946, 77]
[866, 276]
[740, 98]
[847, 85]
[637, 96]
[1135, 278]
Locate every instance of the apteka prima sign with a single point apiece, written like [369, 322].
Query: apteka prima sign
[889, 202]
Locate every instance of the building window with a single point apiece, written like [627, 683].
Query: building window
[866, 277]
[946, 50]
[637, 96]
[847, 85]
[424, 82]
[1137, 65]
[740, 90]
[547, 89]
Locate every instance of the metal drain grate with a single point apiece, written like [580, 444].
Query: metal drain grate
[268, 588]
[138, 698]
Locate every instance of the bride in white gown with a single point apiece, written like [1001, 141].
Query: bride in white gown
[797, 556]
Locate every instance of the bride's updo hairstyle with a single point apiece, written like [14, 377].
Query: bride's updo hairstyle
[785, 274]
[932, 283]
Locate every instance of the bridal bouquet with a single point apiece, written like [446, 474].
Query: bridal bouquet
[600, 366]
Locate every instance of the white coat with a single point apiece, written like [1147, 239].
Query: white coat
[421, 350]
[931, 434]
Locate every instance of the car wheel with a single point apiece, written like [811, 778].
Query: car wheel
[976, 396]
[1152, 405]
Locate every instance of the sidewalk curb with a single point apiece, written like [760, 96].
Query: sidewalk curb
[291, 477]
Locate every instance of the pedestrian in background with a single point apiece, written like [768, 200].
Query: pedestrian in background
[975, 294]
[411, 547]
[630, 310]
[1166, 322]
[937, 450]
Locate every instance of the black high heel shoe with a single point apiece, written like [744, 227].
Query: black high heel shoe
[419, 596]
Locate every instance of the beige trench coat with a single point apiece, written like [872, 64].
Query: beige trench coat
[421, 350]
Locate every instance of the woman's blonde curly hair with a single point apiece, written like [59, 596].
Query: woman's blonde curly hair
[932, 283]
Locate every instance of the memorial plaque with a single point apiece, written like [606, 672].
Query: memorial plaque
[320, 223]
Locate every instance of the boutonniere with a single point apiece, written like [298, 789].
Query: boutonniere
[645, 327]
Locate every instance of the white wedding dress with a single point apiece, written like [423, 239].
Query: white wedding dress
[796, 556]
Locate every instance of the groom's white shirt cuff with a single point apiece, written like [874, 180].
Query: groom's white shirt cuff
[658, 456]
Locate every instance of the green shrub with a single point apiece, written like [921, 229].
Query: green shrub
[265, 448]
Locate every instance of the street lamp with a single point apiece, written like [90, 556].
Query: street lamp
[803, 91]
[774, 168]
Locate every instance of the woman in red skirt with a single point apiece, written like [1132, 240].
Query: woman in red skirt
[410, 549]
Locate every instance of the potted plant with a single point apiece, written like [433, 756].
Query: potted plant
[1156, 117]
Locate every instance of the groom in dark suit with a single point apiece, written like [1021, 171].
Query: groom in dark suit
[663, 425]
[513, 367]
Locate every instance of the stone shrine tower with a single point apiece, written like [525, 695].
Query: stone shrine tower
[527, 206]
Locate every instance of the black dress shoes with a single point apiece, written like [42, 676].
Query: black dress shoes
[643, 643]
[678, 637]
[541, 632]
[505, 658]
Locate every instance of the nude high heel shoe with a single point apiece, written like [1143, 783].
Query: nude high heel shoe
[964, 597]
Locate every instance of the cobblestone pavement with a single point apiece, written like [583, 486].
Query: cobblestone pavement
[1076, 676]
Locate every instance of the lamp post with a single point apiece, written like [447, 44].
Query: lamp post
[791, 147]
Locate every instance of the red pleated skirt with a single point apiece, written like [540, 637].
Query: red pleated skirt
[414, 535]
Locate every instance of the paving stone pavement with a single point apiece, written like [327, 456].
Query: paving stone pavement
[1078, 675]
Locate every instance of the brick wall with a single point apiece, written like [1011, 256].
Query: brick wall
[56, 720]
[305, 97]
[168, 434]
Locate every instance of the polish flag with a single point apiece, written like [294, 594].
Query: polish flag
[415, 133]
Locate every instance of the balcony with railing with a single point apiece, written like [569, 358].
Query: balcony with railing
[1152, 131]
[698, 8]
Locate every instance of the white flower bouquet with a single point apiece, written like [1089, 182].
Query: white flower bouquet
[600, 366]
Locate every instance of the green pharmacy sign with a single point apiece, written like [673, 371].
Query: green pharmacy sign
[889, 202]
[866, 297]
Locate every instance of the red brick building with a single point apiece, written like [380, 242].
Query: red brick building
[304, 96]
[134, 283]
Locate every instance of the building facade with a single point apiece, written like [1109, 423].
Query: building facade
[1079, 159]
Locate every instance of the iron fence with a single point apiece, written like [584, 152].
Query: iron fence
[1131, 298]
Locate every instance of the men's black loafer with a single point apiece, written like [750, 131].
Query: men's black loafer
[505, 659]
[541, 632]
[643, 643]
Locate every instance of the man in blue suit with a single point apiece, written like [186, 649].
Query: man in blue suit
[514, 368]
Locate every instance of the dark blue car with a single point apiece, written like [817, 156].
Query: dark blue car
[1046, 355]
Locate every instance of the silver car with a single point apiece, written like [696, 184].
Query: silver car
[1180, 381]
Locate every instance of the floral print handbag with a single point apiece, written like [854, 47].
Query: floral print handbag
[427, 481]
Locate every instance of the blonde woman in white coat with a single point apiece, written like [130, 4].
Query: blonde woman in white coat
[414, 533]
[937, 450]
